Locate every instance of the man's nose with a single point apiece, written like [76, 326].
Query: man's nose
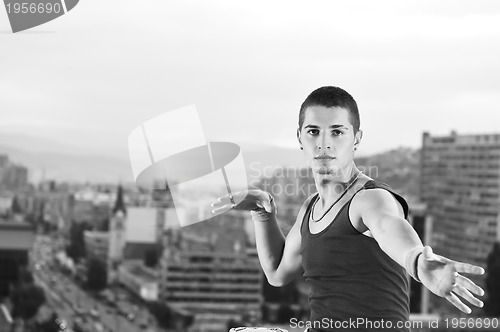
[324, 142]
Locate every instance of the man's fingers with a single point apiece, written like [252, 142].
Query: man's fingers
[220, 202]
[463, 292]
[226, 199]
[224, 208]
[468, 268]
[244, 200]
[226, 202]
[266, 199]
[470, 285]
[453, 299]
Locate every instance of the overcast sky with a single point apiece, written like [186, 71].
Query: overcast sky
[89, 77]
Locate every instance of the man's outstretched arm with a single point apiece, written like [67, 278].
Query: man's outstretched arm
[382, 215]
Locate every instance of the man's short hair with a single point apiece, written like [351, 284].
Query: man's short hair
[331, 96]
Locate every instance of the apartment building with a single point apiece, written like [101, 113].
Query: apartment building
[16, 243]
[460, 184]
[208, 270]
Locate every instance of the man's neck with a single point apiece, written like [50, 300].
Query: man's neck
[331, 186]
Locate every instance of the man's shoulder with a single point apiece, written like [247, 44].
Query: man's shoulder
[377, 194]
[376, 184]
[374, 196]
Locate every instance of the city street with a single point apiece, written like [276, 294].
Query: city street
[74, 304]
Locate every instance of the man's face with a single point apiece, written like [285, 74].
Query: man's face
[328, 139]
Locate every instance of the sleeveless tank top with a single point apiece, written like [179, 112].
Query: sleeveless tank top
[351, 278]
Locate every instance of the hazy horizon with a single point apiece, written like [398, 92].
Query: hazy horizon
[87, 79]
[46, 159]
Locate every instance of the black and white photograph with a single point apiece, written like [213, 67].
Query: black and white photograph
[249, 166]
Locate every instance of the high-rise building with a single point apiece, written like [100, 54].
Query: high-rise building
[16, 243]
[91, 206]
[208, 270]
[4, 160]
[53, 208]
[12, 176]
[460, 184]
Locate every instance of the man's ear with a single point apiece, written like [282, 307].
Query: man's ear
[298, 137]
[357, 139]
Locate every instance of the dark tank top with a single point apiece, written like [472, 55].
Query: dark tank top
[351, 278]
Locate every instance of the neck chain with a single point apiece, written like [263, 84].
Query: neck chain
[350, 183]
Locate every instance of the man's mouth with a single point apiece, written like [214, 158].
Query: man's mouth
[324, 157]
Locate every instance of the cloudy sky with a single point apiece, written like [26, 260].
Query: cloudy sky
[88, 78]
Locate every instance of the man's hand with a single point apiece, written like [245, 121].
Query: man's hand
[248, 200]
[442, 277]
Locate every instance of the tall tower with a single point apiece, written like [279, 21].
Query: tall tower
[117, 232]
[460, 184]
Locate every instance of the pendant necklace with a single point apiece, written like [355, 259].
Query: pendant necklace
[351, 182]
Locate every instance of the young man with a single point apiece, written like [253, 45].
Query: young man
[351, 238]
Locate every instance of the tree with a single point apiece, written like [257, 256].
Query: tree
[97, 275]
[26, 299]
[170, 318]
[492, 304]
[161, 312]
[104, 225]
[25, 276]
[49, 325]
[76, 248]
[151, 257]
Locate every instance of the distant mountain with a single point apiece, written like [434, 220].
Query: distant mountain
[399, 168]
[44, 145]
[265, 157]
[51, 160]
[70, 167]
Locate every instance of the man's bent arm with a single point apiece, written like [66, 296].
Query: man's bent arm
[280, 258]
[270, 243]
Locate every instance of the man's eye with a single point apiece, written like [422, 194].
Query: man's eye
[337, 133]
[313, 132]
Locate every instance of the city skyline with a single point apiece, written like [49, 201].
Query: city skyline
[109, 255]
[55, 210]
[411, 68]
[66, 166]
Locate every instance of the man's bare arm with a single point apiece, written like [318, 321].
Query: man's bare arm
[383, 216]
[379, 211]
[279, 257]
